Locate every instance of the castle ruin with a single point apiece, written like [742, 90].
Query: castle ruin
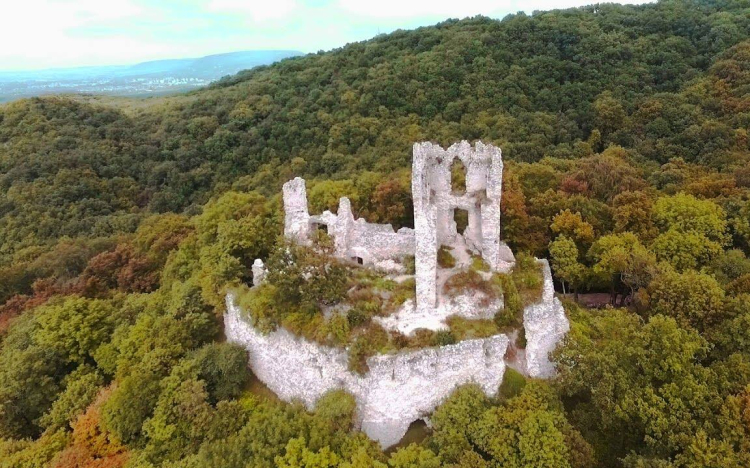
[435, 205]
[403, 387]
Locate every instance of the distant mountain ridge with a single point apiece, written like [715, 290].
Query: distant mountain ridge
[141, 79]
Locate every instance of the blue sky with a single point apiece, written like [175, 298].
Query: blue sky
[63, 33]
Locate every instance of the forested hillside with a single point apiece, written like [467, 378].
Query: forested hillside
[625, 135]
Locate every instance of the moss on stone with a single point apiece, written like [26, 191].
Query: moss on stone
[445, 258]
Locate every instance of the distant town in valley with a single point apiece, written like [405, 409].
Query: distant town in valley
[144, 79]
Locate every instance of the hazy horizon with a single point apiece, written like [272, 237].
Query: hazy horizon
[130, 64]
[87, 33]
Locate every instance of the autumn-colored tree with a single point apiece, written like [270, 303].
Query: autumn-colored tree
[573, 226]
[633, 212]
[92, 446]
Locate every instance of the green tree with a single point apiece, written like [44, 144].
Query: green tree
[76, 327]
[564, 256]
[414, 456]
[686, 214]
[130, 405]
[638, 387]
[31, 376]
[81, 387]
[610, 115]
[621, 260]
[685, 250]
[693, 299]
[297, 455]
[451, 422]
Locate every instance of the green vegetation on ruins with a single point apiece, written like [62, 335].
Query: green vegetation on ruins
[313, 294]
[624, 131]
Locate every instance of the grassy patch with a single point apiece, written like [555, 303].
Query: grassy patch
[463, 328]
[445, 258]
[521, 339]
[367, 342]
[472, 281]
[410, 264]
[511, 315]
[478, 264]
[400, 293]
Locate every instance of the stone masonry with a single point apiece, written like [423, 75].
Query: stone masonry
[403, 387]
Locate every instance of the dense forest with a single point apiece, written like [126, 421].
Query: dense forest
[625, 135]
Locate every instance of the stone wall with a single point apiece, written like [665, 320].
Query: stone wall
[545, 325]
[399, 388]
[354, 239]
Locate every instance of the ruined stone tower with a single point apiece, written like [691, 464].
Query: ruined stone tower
[435, 204]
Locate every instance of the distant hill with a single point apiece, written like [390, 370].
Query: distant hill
[663, 81]
[143, 79]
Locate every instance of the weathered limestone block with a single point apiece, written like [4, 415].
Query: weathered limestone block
[259, 272]
[399, 388]
[506, 257]
[296, 216]
[425, 227]
[545, 325]
[342, 228]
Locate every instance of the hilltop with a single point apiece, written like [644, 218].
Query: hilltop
[624, 136]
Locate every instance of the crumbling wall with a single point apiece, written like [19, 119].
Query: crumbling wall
[353, 238]
[545, 325]
[398, 389]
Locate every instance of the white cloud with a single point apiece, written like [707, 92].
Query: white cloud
[38, 31]
[256, 10]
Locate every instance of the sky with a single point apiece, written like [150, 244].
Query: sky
[38, 34]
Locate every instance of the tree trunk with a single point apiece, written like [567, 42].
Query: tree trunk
[622, 299]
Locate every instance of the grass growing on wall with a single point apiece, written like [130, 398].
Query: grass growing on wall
[528, 279]
[333, 303]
